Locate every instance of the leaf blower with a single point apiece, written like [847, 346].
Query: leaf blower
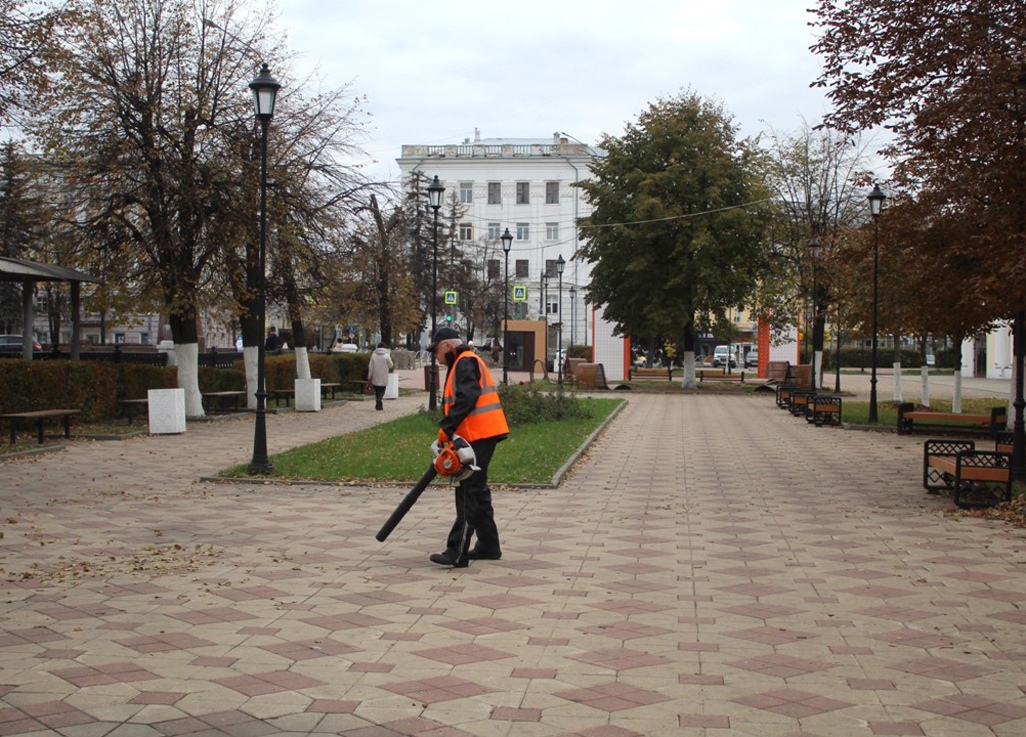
[454, 459]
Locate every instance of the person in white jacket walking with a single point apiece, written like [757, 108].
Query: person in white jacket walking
[377, 373]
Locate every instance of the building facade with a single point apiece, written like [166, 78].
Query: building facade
[525, 185]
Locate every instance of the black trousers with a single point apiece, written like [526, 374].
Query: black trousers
[379, 395]
[474, 512]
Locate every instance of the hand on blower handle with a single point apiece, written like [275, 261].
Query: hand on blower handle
[455, 459]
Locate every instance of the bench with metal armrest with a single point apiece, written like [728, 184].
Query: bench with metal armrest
[976, 478]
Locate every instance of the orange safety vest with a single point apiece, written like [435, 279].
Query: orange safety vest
[486, 420]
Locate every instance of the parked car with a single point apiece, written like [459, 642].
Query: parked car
[752, 359]
[14, 343]
[720, 355]
[556, 360]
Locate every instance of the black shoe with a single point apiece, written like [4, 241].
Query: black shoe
[478, 554]
[443, 559]
[378, 407]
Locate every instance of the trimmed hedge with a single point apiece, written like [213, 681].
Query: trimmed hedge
[97, 387]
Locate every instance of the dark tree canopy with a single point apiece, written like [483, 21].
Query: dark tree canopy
[949, 80]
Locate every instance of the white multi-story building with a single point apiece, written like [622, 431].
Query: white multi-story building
[526, 185]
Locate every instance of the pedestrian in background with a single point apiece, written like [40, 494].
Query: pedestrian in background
[273, 342]
[377, 373]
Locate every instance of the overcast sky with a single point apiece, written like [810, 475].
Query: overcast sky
[435, 71]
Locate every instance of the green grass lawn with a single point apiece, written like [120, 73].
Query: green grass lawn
[400, 450]
[857, 413]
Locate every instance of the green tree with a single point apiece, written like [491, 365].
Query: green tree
[676, 230]
[23, 224]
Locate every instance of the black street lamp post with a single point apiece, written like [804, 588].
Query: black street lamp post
[507, 243]
[573, 319]
[876, 199]
[560, 265]
[815, 248]
[265, 91]
[435, 191]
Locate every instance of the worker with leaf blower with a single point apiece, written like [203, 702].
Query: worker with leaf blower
[472, 425]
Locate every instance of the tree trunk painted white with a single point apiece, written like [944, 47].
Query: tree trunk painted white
[250, 354]
[925, 394]
[188, 377]
[817, 370]
[956, 397]
[897, 381]
[689, 381]
[302, 363]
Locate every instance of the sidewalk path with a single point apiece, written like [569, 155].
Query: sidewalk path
[714, 566]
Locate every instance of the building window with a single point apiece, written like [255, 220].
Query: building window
[523, 193]
[552, 306]
[494, 193]
[493, 268]
[523, 231]
[522, 268]
[550, 267]
[494, 231]
[552, 231]
[466, 192]
[551, 193]
[466, 231]
[119, 338]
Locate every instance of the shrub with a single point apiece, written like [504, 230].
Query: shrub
[526, 403]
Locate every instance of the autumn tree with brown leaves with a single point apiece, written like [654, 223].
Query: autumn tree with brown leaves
[949, 81]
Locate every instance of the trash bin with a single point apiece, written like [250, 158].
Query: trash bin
[166, 411]
[392, 388]
[427, 377]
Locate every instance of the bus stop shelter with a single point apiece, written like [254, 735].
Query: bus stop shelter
[30, 272]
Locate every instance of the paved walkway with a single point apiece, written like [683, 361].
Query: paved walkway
[714, 566]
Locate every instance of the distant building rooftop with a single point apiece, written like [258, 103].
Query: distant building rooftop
[556, 145]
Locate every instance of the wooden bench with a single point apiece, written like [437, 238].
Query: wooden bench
[797, 378]
[221, 398]
[40, 417]
[910, 419]
[799, 400]
[278, 394]
[976, 478]
[642, 374]
[777, 370]
[823, 409]
[131, 405]
[330, 386]
[591, 376]
[720, 375]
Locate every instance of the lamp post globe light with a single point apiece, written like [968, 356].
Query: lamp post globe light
[876, 199]
[435, 191]
[815, 248]
[265, 92]
[507, 243]
[560, 265]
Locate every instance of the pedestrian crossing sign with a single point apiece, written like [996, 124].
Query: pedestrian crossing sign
[450, 297]
[519, 294]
